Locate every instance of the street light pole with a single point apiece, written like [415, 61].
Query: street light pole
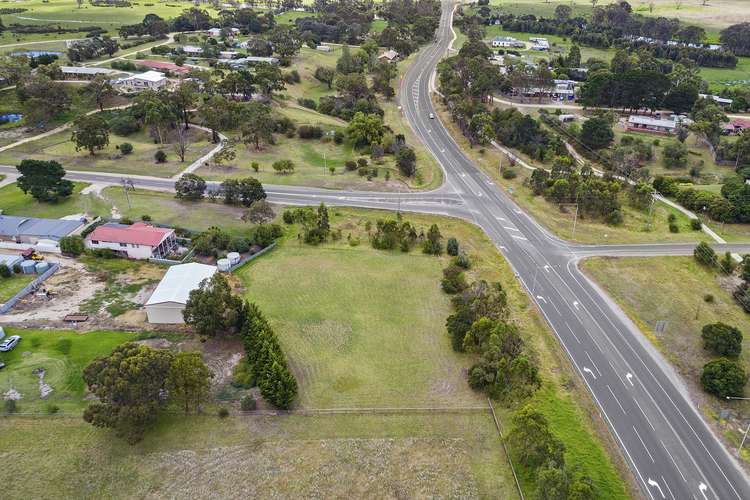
[744, 436]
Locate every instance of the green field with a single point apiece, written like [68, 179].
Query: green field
[141, 161]
[11, 286]
[677, 299]
[384, 456]
[14, 202]
[67, 14]
[45, 349]
[387, 347]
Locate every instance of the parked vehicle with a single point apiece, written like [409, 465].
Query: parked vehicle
[9, 343]
[31, 254]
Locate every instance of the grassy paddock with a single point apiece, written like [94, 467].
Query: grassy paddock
[381, 340]
[455, 455]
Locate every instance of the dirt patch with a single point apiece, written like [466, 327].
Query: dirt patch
[155, 343]
[68, 287]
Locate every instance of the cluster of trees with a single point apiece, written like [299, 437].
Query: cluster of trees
[316, 224]
[410, 24]
[534, 445]
[480, 324]
[349, 78]
[268, 365]
[742, 292]
[637, 80]
[737, 38]
[135, 382]
[597, 197]
[391, 234]
[714, 205]
[607, 24]
[724, 376]
[152, 25]
[215, 242]
[212, 309]
[339, 21]
[91, 48]
[44, 180]
[42, 99]
[708, 58]
[243, 192]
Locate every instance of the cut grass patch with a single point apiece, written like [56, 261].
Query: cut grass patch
[63, 372]
[14, 202]
[9, 287]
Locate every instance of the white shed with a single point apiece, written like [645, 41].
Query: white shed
[166, 304]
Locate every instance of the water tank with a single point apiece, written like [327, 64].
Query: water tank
[233, 257]
[28, 266]
[224, 265]
[41, 267]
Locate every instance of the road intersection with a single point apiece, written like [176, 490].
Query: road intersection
[672, 452]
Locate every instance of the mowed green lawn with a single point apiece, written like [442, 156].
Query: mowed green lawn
[45, 349]
[13, 201]
[11, 286]
[141, 161]
[164, 208]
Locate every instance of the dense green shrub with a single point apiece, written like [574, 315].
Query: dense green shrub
[126, 148]
[723, 339]
[723, 377]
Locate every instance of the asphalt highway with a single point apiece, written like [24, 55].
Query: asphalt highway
[672, 452]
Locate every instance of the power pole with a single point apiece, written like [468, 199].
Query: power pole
[127, 185]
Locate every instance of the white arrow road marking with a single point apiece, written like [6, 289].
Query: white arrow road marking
[546, 267]
[702, 487]
[511, 228]
[500, 218]
[575, 304]
[541, 298]
[442, 151]
[653, 483]
[629, 376]
[518, 237]
[517, 211]
[503, 248]
[588, 370]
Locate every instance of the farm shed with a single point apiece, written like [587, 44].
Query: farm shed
[166, 304]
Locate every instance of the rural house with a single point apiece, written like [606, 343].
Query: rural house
[45, 233]
[137, 241]
[150, 80]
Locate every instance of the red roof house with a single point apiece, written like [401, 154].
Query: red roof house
[135, 241]
[165, 66]
[736, 126]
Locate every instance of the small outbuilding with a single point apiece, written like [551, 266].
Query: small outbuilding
[166, 304]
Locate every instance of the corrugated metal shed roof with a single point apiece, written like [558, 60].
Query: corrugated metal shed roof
[54, 229]
[176, 285]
